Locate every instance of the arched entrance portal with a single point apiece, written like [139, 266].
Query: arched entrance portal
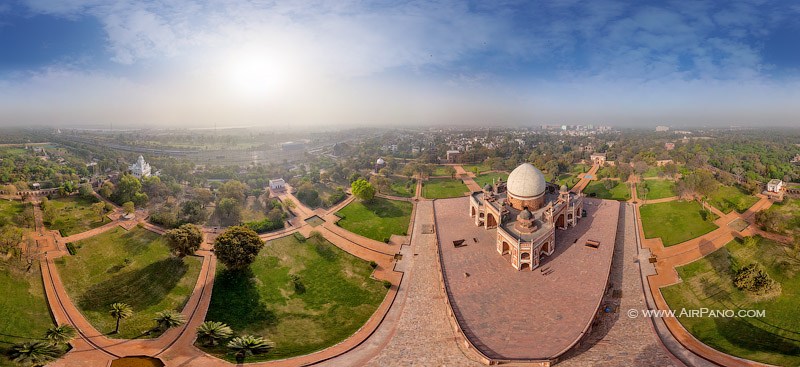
[560, 221]
[491, 221]
[525, 266]
[506, 248]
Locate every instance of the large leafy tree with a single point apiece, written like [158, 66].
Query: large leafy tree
[129, 188]
[184, 240]
[363, 189]
[10, 237]
[120, 311]
[211, 332]
[229, 211]
[248, 345]
[238, 247]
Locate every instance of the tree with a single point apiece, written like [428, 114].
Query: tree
[107, 190]
[36, 353]
[86, 191]
[61, 334]
[168, 319]
[10, 237]
[363, 190]
[229, 211]
[451, 171]
[9, 189]
[120, 311]
[238, 247]
[308, 195]
[129, 188]
[753, 278]
[210, 332]
[248, 345]
[99, 208]
[233, 189]
[184, 240]
[193, 211]
[128, 207]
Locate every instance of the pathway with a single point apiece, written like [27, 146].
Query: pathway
[669, 258]
[585, 179]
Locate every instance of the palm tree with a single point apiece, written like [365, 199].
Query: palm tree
[248, 345]
[210, 332]
[167, 319]
[120, 311]
[36, 353]
[61, 334]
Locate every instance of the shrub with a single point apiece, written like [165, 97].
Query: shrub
[264, 225]
[373, 264]
[299, 237]
[754, 279]
[299, 287]
[71, 248]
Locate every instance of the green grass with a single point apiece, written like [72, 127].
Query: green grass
[133, 267]
[340, 296]
[657, 189]
[440, 171]
[487, 178]
[727, 198]
[401, 187]
[378, 219]
[25, 312]
[13, 212]
[651, 172]
[441, 188]
[707, 282]
[481, 167]
[75, 215]
[789, 209]
[580, 168]
[568, 179]
[676, 221]
[620, 191]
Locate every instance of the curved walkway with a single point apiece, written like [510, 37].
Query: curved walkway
[669, 258]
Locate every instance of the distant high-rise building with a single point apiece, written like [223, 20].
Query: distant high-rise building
[662, 128]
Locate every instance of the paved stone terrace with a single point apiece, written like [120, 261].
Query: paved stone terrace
[617, 339]
[487, 291]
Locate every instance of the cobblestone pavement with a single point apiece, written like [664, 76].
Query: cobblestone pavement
[617, 339]
[511, 314]
[421, 336]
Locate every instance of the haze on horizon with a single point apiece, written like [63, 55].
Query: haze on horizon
[183, 63]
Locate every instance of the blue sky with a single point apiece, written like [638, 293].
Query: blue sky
[197, 63]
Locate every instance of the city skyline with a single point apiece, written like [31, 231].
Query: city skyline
[82, 63]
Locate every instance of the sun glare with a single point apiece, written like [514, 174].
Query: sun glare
[254, 74]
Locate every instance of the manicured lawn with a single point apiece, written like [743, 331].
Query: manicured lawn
[656, 189]
[401, 187]
[488, 178]
[16, 212]
[619, 192]
[339, 297]
[569, 179]
[651, 172]
[440, 171]
[708, 283]
[441, 188]
[789, 211]
[132, 267]
[580, 168]
[378, 219]
[727, 198]
[676, 221]
[75, 215]
[481, 167]
[25, 312]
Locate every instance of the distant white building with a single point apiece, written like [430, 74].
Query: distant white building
[277, 184]
[774, 185]
[662, 128]
[140, 168]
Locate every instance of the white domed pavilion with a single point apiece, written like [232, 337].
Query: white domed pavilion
[525, 211]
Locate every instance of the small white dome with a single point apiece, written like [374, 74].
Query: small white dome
[526, 181]
[380, 161]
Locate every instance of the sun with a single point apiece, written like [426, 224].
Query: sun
[254, 74]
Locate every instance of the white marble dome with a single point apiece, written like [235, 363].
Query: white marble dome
[526, 181]
[380, 161]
